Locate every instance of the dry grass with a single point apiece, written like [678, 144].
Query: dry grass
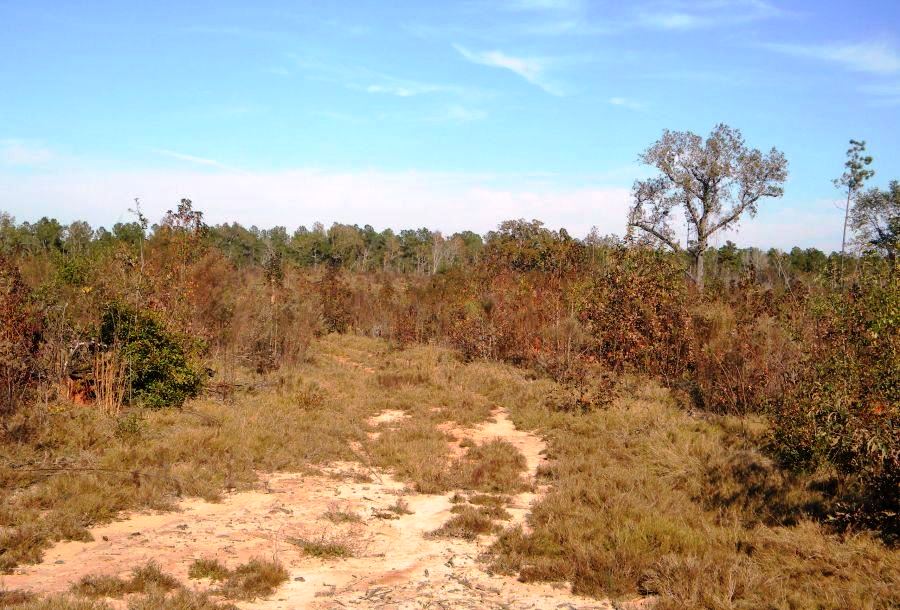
[57, 602]
[213, 569]
[495, 466]
[256, 578]
[325, 547]
[143, 579]
[400, 507]
[649, 500]
[338, 514]
[181, 599]
[14, 597]
[491, 512]
[468, 523]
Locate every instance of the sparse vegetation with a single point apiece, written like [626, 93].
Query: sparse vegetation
[336, 514]
[400, 507]
[324, 546]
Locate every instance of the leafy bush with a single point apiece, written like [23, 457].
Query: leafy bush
[159, 371]
[845, 411]
[636, 311]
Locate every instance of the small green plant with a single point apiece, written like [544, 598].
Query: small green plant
[130, 426]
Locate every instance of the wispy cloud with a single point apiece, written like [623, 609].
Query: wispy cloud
[872, 57]
[23, 152]
[405, 88]
[680, 15]
[624, 102]
[360, 78]
[194, 159]
[532, 69]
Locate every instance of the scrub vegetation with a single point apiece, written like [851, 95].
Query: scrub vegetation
[723, 424]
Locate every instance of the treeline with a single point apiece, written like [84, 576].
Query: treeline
[363, 249]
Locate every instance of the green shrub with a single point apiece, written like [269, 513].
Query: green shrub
[845, 411]
[159, 371]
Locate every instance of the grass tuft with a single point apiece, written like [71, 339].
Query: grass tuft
[336, 514]
[256, 578]
[495, 466]
[145, 578]
[468, 523]
[324, 547]
[213, 569]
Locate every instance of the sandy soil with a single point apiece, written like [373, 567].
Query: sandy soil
[396, 564]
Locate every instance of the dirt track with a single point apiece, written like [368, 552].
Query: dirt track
[396, 564]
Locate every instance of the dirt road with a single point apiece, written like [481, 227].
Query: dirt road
[395, 563]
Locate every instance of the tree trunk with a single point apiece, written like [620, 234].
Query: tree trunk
[698, 264]
[844, 236]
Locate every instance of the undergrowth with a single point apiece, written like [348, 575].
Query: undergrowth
[649, 500]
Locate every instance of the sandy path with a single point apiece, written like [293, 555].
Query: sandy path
[396, 565]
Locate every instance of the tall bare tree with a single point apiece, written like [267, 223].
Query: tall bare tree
[715, 181]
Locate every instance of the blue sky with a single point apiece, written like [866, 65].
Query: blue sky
[449, 115]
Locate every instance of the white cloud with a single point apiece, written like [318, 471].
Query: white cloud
[24, 152]
[873, 57]
[532, 69]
